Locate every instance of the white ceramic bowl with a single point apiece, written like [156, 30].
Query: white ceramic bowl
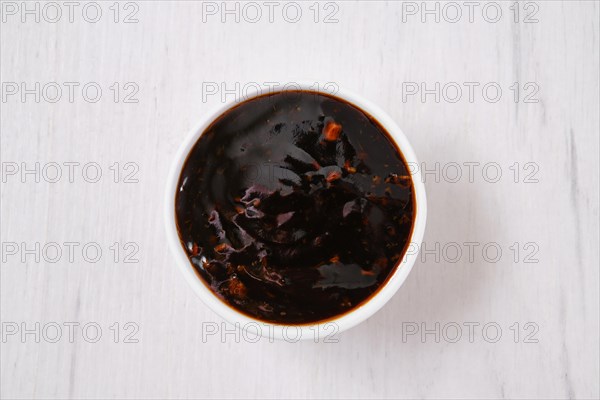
[316, 331]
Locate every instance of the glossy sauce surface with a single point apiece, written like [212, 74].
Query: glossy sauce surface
[294, 207]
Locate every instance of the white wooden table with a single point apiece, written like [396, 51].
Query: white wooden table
[170, 64]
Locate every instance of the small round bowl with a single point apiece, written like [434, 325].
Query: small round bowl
[319, 330]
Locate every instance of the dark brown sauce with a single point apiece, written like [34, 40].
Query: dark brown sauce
[295, 207]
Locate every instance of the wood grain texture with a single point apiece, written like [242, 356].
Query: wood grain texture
[170, 53]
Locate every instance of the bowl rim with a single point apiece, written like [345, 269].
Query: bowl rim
[322, 329]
